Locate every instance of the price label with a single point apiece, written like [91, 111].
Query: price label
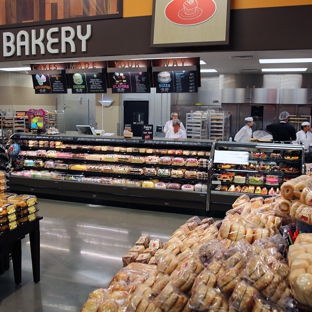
[231, 157]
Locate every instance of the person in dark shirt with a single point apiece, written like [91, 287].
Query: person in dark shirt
[282, 131]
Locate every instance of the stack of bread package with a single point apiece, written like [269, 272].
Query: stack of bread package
[300, 262]
[235, 264]
[297, 198]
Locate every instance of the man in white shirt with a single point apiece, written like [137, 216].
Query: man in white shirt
[304, 136]
[175, 132]
[245, 133]
[168, 124]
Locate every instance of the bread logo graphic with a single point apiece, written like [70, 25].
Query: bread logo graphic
[190, 12]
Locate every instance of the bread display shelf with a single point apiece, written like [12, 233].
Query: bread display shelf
[118, 175]
[99, 189]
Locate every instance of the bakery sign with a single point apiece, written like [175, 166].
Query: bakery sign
[55, 40]
[190, 22]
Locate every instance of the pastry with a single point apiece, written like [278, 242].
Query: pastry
[258, 190]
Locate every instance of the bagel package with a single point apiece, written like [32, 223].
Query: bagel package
[234, 264]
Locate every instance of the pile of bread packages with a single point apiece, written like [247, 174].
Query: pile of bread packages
[235, 264]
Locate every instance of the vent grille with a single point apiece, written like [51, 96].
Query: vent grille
[249, 71]
[242, 57]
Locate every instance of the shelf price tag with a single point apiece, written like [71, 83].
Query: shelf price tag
[231, 157]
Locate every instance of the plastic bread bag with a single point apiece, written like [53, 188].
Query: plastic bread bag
[191, 263]
[109, 305]
[170, 299]
[140, 301]
[228, 280]
[235, 229]
[237, 255]
[208, 234]
[173, 245]
[134, 274]
[167, 263]
[207, 277]
[211, 251]
[241, 200]
[183, 278]
[257, 273]
[261, 305]
[91, 305]
[288, 188]
[243, 297]
[205, 298]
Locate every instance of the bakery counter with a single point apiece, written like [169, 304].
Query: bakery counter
[101, 193]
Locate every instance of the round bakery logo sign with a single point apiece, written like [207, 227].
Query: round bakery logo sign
[190, 12]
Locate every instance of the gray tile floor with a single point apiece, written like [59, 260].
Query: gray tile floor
[81, 250]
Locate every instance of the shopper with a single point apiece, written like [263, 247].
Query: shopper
[304, 136]
[245, 133]
[168, 124]
[282, 131]
[176, 132]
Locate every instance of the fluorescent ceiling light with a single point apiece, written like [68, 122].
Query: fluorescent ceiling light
[208, 71]
[285, 60]
[16, 68]
[284, 69]
[202, 62]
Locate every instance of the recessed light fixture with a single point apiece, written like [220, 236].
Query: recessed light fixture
[285, 60]
[208, 71]
[283, 70]
[202, 62]
[16, 68]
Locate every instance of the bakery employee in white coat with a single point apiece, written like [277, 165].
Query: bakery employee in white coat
[304, 136]
[168, 124]
[176, 132]
[245, 133]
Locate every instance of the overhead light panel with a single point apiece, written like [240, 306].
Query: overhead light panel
[285, 60]
[283, 70]
[202, 62]
[208, 71]
[16, 68]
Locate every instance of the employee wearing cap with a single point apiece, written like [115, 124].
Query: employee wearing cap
[304, 136]
[282, 131]
[168, 124]
[245, 133]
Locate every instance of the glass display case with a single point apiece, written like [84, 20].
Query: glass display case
[156, 172]
[257, 169]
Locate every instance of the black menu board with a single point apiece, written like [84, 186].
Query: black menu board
[184, 81]
[130, 82]
[58, 83]
[88, 83]
[147, 132]
[50, 83]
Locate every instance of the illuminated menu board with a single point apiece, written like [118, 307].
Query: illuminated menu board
[88, 82]
[184, 81]
[130, 82]
[50, 83]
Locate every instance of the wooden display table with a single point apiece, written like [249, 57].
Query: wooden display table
[10, 243]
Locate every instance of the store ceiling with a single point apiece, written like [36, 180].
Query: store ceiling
[223, 62]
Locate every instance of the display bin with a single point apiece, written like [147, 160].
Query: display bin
[265, 165]
[87, 157]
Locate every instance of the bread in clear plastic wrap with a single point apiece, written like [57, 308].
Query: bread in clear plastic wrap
[243, 297]
[205, 298]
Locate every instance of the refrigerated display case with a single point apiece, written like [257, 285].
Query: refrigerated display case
[94, 169]
[257, 169]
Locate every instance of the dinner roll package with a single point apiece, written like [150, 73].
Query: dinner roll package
[234, 264]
